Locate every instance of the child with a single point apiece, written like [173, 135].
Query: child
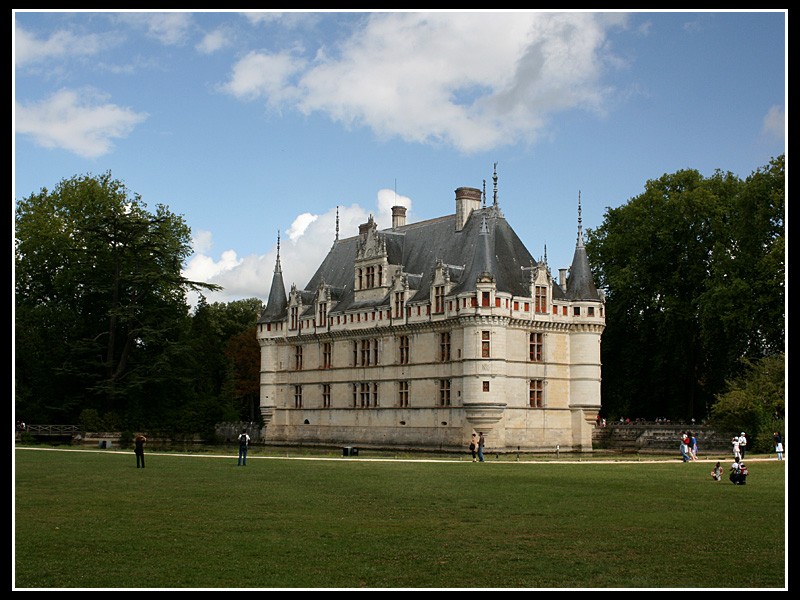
[716, 472]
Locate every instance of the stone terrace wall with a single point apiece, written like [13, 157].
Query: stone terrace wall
[656, 438]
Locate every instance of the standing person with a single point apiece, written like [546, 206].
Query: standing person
[778, 445]
[481, 443]
[138, 449]
[244, 442]
[736, 451]
[691, 445]
[742, 444]
[473, 446]
[685, 447]
[716, 472]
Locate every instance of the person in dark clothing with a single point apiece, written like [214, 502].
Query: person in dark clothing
[138, 449]
[244, 442]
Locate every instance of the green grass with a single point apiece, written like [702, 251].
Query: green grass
[92, 520]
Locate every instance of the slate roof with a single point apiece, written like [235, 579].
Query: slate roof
[486, 243]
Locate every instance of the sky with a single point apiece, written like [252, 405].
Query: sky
[264, 126]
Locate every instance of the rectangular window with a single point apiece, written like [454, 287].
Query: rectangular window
[444, 346]
[298, 358]
[485, 386]
[486, 350]
[399, 303]
[438, 295]
[327, 349]
[365, 347]
[293, 312]
[484, 298]
[402, 399]
[444, 392]
[403, 344]
[591, 311]
[365, 395]
[375, 394]
[536, 344]
[355, 395]
[541, 299]
[355, 353]
[322, 314]
[326, 395]
[527, 307]
[375, 351]
[298, 396]
[516, 305]
[576, 311]
[370, 277]
[536, 394]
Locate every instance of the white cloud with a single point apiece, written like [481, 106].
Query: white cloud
[471, 80]
[214, 40]
[259, 75]
[303, 247]
[169, 28]
[60, 45]
[300, 224]
[85, 125]
[775, 123]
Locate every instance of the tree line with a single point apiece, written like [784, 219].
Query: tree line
[693, 270]
[694, 275]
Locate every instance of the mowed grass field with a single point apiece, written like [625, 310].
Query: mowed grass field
[91, 519]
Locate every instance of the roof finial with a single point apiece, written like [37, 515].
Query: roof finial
[484, 193]
[278, 259]
[494, 178]
[580, 221]
[337, 224]
[545, 254]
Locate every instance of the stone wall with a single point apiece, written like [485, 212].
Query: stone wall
[656, 438]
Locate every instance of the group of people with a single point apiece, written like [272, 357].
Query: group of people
[738, 470]
[476, 444]
[739, 444]
[688, 446]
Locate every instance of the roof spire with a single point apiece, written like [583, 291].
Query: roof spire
[494, 178]
[278, 259]
[337, 224]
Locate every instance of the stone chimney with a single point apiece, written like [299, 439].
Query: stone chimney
[562, 278]
[467, 200]
[398, 216]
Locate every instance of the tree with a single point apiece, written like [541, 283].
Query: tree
[100, 312]
[693, 271]
[754, 402]
[228, 354]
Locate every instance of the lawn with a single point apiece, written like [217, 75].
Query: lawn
[91, 519]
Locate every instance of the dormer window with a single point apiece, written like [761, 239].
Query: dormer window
[540, 299]
[438, 295]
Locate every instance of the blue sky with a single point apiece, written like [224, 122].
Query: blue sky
[251, 124]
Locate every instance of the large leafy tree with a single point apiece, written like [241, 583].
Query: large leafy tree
[100, 312]
[693, 270]
[228, 360]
